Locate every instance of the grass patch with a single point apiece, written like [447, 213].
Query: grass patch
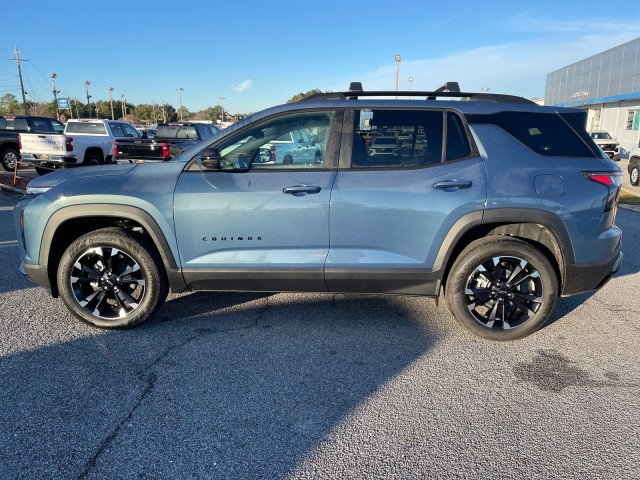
[629, 198]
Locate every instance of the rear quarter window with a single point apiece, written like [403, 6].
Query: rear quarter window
[545, 133]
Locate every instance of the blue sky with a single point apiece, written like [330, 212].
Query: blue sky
[259, 54]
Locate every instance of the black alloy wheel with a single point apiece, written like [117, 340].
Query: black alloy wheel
[112, 278]
[502, 288]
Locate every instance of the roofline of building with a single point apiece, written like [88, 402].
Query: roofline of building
[593, 101]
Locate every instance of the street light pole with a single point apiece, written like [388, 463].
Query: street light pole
[397, 72]
[55, 94]
[124, 107]
[222, 99]
[113, 117]
[180, 90]
[86, 87]
[410, 82]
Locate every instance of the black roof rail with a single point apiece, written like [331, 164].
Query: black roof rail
[448, 90]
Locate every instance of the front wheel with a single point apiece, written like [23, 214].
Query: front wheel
[8, 158]
[634, 176]
[502, 288]
[112, 278]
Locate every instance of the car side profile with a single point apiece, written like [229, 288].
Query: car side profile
[502, 204]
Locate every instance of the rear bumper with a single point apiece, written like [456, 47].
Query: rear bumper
[582, 278]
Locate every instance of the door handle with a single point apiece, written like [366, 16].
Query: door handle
[300, 190]
[451, 185]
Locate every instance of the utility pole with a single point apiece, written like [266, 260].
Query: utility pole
[180, 90]
[24, 99]
[222, 99]
[55, 94]
[86, 87]
[111, 102]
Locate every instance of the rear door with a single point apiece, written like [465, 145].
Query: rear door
[260, 226]
[390, 214]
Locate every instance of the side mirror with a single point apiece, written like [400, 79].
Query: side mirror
[209, 158]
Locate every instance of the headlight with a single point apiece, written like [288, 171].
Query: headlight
[37, 190]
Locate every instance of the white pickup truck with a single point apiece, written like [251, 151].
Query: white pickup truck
[84, 142]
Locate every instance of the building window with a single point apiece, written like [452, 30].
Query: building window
[633, 120]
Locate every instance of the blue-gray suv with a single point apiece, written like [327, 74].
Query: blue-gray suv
[502, 204]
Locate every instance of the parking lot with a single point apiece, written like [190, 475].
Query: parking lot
[226, 385]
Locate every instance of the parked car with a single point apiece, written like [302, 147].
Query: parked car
[510, 206]
[84, 142]
[607, 143]
[384, 149]
[167, 141]
[634, 166]
[12, 125]
[297, 146]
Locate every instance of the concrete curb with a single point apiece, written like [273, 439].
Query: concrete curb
[12, 189]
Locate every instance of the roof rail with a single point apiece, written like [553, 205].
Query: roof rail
[448, 90]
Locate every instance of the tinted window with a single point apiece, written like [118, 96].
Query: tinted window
[92, 128]
[129, 131]
[544, 133]
[457, 140]
[57, 126]
[397, 138]
[116, 130]
[41, 125]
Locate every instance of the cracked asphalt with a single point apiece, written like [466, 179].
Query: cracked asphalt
[294, 386]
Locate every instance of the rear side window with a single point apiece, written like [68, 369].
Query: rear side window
[41, 125]
[397, 138]
[545, 133]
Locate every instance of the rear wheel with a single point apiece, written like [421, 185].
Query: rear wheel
[92, 159]
[634, 175]
[9, 157]
[502, 288]
[112, 278]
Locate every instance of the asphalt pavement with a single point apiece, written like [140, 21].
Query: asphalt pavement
[297, 386]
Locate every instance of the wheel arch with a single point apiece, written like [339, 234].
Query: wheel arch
[542, 229]
[93, 151]
[70, 223]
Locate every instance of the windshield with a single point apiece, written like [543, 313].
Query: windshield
[601, 136]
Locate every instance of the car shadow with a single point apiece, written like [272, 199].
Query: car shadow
[214, 385]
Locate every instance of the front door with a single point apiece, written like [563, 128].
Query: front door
[254, 223]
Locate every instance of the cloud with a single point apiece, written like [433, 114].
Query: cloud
[517, 68]
[241, 87]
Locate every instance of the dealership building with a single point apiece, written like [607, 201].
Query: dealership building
[607, 85]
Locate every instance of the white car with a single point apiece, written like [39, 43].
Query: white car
[634, 166]
[607, 143]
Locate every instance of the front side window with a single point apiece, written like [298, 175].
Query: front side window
[129, 131]
[278, 143]
[397, 138]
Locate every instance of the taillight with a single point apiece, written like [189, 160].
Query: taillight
[165, 150]
[69, 144]
[115, 149]
[610, 179]
[272, 149]
[19, 142]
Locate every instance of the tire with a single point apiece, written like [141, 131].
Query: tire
[92, 159]
[287, 160]
[43, 170]
[634, 175]
[8, 158]
[482, 296]
[112, 278]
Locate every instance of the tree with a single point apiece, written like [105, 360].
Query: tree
[9, 105]
[300, 96]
